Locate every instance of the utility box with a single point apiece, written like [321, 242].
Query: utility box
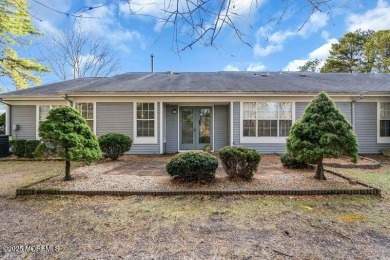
[4, 146]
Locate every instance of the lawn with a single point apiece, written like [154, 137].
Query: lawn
[195, 227]
[15, 174]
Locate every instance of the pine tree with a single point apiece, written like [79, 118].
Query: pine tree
[322, 132]
[347, 55]
[66, 133]
[15, 26]
[377, 51]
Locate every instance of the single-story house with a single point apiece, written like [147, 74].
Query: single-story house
[172, 112]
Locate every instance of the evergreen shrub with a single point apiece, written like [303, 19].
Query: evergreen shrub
[193, 167]
[239, 162]
[114, 145]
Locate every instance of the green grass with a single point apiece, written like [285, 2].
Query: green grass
[178, 224]
[379, 178]
[17, 174]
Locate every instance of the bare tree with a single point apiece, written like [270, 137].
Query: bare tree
[75, 53]
[202, 21]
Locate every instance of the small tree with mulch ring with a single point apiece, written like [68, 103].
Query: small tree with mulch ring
[66, 133]
[322, 132]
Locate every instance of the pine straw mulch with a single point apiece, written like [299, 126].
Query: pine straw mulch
[148, 173]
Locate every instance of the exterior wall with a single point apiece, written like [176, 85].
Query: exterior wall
[264, 148]
[25, 117]
[172, 131]
[221, 127]
[365, 124]
[366, 128]
[344, 107]
[114, 118]
[119, 118]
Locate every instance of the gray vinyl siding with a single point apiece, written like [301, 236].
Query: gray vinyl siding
[366, 126]
[221, 127]
[164, 128]
[171, 129]
[25, 117]
[344, 107]
[299, 109]
[236, 123]
[112, 117]
[264, 148]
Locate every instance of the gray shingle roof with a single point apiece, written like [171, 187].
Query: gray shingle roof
[233, 82]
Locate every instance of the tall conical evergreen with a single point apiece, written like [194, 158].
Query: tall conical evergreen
[322, 132]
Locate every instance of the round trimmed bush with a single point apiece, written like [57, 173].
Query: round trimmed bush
[292, 163]
[239, 162]
[193, 167]
[114, 145]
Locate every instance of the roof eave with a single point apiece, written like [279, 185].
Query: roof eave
[31, 97]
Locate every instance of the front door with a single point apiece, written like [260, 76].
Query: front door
[195, 127]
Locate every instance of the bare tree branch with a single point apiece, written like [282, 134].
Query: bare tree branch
[201, 21]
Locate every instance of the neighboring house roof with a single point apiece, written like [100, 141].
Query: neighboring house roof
[218, 82]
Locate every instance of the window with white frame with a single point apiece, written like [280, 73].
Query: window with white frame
[145, 119]
[43, 112]
[384, 120]
[86, 111]
[267, 119]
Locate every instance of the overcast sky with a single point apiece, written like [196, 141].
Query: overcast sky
[276, 46]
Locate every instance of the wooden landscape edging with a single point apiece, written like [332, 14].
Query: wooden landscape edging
[27, 191]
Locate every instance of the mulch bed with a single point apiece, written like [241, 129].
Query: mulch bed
[362, 163]
[148, 173]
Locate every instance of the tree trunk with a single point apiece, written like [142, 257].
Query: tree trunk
[67, 171]
[320, 171]
[67, 166]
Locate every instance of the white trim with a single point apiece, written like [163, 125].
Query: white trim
[161, 128]
[178, 128]
[94, 117]
[265, 140]
[205, 93]
[144, 140]
[231, 123]
[212, 114]
[37, 121]
[380, 140]
[7, 119]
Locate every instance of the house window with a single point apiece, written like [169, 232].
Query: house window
[267, 119]
[86, 111]
[145, 119]
[44, 111]
[384, 120]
